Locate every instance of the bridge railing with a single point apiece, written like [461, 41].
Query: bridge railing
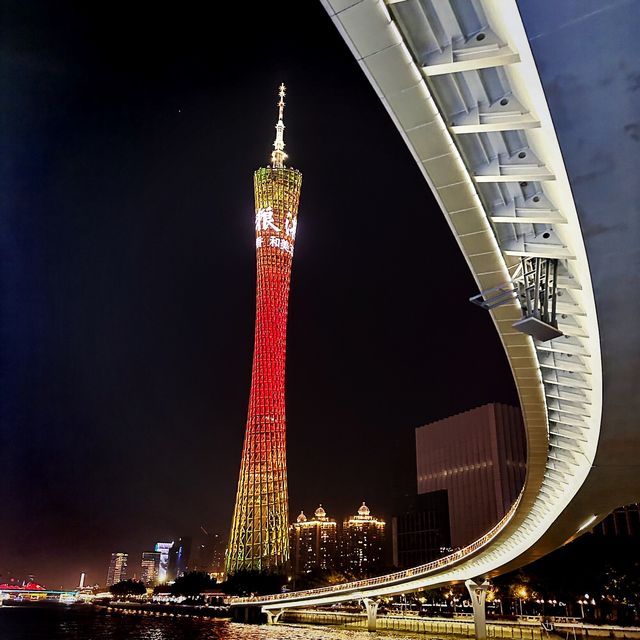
[390, 578]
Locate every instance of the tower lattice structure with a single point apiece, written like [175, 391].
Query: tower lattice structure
[259, 530]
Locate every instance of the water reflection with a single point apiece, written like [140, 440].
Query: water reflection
[88, 624]
[294, 632]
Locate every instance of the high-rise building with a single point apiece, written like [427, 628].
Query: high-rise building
[150, 567]
[623, 522]
[362, 544]
[420, 533]
[208, 553]
[217, 565]
[478, 457]
[163, 548]
[179, 557]
[117, 568]
[314, 543]
[259, 530]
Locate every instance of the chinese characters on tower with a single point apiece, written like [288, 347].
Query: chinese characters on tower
[264, 222]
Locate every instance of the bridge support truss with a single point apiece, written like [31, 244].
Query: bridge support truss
[535, 286]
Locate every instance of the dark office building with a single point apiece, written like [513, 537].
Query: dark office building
[421, 533]
[208, 553]
[623, 522]
[479, 458]
[179, 557]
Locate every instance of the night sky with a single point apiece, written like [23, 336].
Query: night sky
[129, 136]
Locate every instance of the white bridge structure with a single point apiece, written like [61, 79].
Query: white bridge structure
[460, 80]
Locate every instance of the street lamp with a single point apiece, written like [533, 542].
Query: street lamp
[522, 594]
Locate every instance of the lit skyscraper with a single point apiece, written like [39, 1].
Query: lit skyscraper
[117, 568]
[150, 567]
[259, 537]
[362, 542]
[314, 543]
[163, 549]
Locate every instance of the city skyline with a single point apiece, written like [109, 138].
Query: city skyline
[130, 311]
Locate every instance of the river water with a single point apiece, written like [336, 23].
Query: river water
[43, 623]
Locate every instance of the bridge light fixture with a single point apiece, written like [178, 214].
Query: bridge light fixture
[585, 524]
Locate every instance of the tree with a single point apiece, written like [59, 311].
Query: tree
[128, 588]
[192, 584]
[600, 571]
[245, 583]
[321, 578]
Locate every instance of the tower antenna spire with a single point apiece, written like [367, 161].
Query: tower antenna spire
[278, 156]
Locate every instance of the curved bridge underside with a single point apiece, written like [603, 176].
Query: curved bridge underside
[459, 80]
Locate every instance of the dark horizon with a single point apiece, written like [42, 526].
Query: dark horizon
[129, 274]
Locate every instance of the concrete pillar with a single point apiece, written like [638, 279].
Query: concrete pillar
[478, 593]
[371, 607]
[273, 616]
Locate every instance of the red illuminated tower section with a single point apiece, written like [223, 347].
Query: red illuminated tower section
[259, 531]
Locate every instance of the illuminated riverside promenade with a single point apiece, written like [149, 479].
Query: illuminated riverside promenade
[460, 81]
[462, 625]
[525, 627]
[34, 593]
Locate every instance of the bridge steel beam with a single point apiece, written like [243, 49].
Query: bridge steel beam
[459, 81]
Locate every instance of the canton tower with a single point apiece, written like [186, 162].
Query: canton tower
[259, 530]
